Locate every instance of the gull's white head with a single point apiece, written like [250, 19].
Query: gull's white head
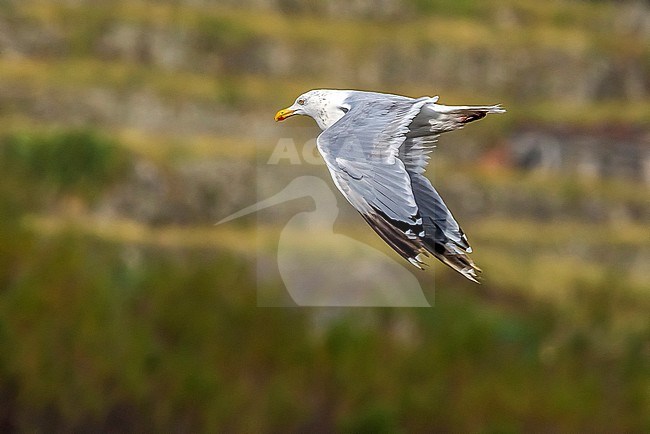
[325, 106]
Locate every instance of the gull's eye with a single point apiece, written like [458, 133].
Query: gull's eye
[301, 101]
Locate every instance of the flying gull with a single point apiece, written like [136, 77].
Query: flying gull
[376, 148]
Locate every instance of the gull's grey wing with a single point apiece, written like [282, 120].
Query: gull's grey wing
[443, 236]
[361, 152]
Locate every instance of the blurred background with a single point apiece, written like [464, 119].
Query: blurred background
[128, 128]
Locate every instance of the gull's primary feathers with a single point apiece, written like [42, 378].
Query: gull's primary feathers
[376, 148]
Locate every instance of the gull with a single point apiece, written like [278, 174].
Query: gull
[376, 147]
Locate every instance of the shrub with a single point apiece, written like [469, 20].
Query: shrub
[72, 161]
[219, 34]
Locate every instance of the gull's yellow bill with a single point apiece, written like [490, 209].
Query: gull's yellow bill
[283, 114]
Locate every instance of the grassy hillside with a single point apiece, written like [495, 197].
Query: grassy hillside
[128, 128]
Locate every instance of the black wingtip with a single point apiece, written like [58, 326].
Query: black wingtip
[395, 234]
[414, 249]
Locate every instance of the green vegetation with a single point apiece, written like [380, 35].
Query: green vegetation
[138, 330]
[229, 45]
[78, 161]
[119, 336]
[113, 336]
[218, 33]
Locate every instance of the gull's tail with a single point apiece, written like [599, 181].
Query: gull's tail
[469, 113]
[442, 118]
[484, 109]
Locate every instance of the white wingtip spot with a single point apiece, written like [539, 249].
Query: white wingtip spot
[409, 233]
[470, 273]
[418, 260]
